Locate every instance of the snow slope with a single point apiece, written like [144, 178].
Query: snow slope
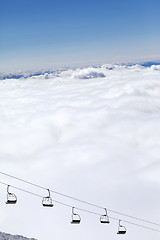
[92, 133]
[6, 236]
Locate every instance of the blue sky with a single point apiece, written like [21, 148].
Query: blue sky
[40, 34]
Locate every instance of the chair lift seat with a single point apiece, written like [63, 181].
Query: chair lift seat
[75, 221]
[11, 201]
[11, 197]
[121, 232]
[121, 229]
[104, 219]
[48, 205]
[47, 201]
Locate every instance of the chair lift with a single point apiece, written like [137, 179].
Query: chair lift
[104, 218]
[47, 201]
[11, 197]
[121, 229]
[75, 217]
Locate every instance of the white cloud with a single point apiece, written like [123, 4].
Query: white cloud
[97, 140]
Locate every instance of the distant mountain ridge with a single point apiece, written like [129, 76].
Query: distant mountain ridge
[56, 73]
[149, 64]
[7, 236]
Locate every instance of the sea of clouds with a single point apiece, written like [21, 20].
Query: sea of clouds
[92, 133]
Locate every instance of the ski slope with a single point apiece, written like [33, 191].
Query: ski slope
[92, 133]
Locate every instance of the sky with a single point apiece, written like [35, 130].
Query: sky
[90, 133]
[42, 34]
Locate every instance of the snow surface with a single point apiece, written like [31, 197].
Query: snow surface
[92, 133]
[6, 236]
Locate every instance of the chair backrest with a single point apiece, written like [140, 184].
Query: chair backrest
[47, 202]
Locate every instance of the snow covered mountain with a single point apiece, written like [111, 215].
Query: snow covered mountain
[7, 236]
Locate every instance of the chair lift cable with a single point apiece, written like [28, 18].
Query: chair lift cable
[81, 209]
[79, 200]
